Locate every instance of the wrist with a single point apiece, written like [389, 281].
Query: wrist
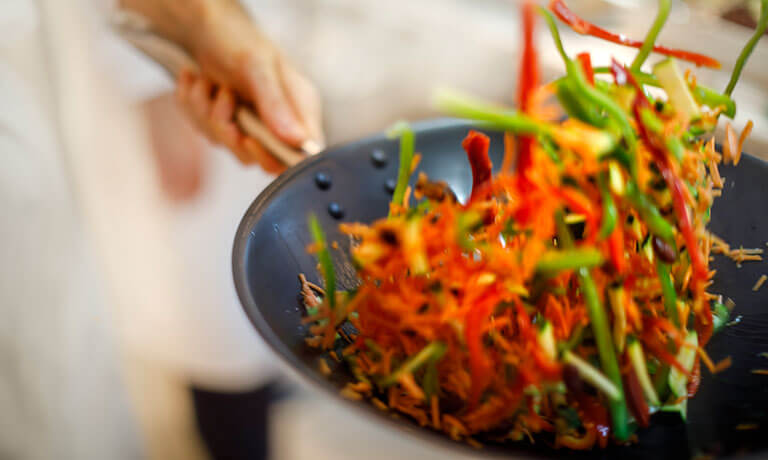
[175, 20]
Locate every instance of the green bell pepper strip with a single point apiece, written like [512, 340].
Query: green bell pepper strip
[650, 214]
[324, 258]
[432, 352]
[569, 259]
[653, 33]
[668, 291]
[762, 24]
[602, 333]
[407, 147]
[610, 214]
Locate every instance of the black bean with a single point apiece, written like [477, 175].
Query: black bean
[664, 251]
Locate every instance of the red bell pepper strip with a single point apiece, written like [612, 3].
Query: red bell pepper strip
[583, 27]
[527, 84]
[636, 399]
[529, 67]
[677, 187]
[586, 66]
[616, 249]
[476, 145]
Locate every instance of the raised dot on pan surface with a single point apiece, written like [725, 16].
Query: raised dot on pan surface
[323, 181]
[390, 185]
[335, 210]
[379, 158]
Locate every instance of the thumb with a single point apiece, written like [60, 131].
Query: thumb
[263, 86]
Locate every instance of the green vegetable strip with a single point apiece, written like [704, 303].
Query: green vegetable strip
[606, 350]
[653, 33]
[464, 106]
[650, 214]
[575, 107]
[749, 47]
[593, 95]
[720, 317]
[324, 258]
[593, 376]
[569, 259]
[407, 147]
[713, 99]
[432, 352]
[431, 384]
[668, 291]
[655, 125]
[602, 333]
[610, 214]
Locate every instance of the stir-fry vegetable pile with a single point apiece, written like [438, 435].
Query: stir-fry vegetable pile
[568, 294]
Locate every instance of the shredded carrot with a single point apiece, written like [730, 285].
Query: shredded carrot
[466, 314]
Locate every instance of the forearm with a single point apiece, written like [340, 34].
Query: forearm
[182, 20]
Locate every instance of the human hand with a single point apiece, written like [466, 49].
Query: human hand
[212, 109]
[237, 65]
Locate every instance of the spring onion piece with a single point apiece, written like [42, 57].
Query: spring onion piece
[668, 291]
[637, 359]
[653, 33]
[686, 357]
[464, 106]
[762, 25]
[569, 259]
[605, 347]
[432, 352]
[610, 214]
[324, 258]
[407, 146]
[595, 378]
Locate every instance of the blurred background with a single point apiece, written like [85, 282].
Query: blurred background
[121, 334]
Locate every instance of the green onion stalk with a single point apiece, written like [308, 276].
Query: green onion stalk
[605, 347]
[324, 258]
[653, 33]
[407, 147]
[762, 25]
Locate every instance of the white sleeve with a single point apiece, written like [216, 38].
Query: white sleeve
[134, 74]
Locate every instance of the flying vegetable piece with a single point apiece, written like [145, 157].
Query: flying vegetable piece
[407, 146]
[581, 26]
[653, 33]
[602, 333]
[762, 25]
[476, 145]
